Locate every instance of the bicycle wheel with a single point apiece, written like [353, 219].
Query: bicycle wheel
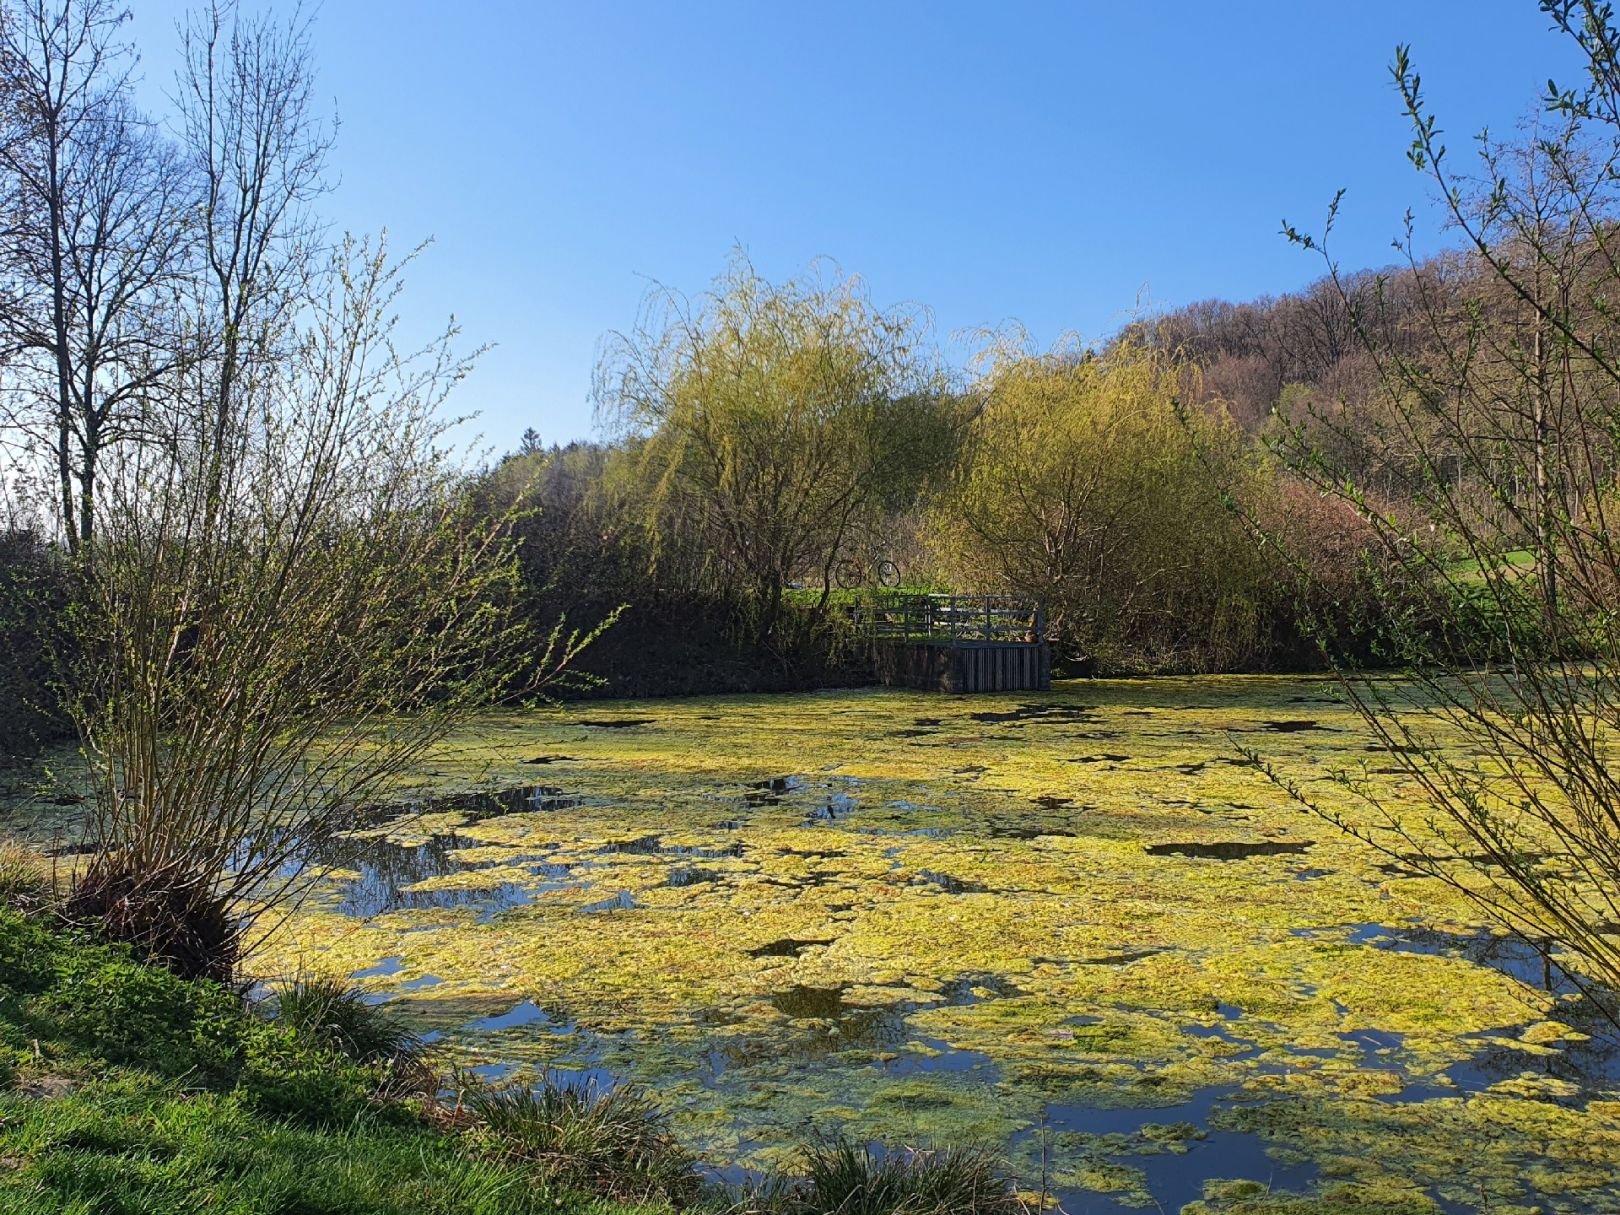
[888, 574]
[848, 574]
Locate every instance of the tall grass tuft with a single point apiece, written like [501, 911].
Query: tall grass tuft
[25, 883]
[610, 1138]
[845, 1179]
[337, 1014]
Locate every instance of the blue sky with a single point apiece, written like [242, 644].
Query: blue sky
[1049, 164]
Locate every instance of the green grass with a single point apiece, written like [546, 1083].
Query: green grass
[125, 1090]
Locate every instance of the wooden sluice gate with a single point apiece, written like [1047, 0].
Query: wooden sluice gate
[957, 643]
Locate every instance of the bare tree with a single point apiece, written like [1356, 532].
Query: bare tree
[259, 151]
[277, 630]
[1503, 396]
[94, 237]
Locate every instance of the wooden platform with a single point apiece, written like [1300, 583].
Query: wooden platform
[965, 666]
[957, 643]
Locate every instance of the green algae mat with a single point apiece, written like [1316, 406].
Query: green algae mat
[1075, 925]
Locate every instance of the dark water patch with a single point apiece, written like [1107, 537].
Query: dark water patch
[818, 853]
[1006, 830]
[1531, 963]
[1590, 1063]
[1057, 714]
[1107, 757]
[688, 876]
[1281, 726]
[950, 884]
[1049, 801]
[615, 723]
[1123, 958]
[1227, 850]
[521, 1015]
[912, 733]
[976, 988]
[474, 805]
[835, 806]
[388, 872]
[551, 759]
[1396, 869]
[1311, 875]
[802, 1002]
[787, 947]
[970, 770]
[929, 722]
[1175, 1179]
[420, 983]
[773, 789]
[388, 966]
[842, 1026]
[938, 1057]
[1189, 769]
[645, 845]
[623, 901]
[705, 852]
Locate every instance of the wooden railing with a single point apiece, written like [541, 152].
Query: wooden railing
[898, 617]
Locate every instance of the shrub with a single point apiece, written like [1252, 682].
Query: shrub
[610, 1138]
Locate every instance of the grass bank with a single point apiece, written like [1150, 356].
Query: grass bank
[124, 1089]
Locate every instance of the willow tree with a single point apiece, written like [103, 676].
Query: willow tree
[1085, 490]
[777, 421]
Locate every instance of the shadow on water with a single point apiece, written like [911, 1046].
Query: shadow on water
[1227, 850]
[1588, 1062]
[826, 1027]
[1055, 714]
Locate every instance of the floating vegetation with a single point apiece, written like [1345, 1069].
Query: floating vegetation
[779, 917]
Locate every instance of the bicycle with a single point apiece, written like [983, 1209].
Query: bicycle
[851, 572]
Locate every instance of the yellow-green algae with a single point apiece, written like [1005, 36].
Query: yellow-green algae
[948, 925]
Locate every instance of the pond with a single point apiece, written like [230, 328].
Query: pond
[1073, 925]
